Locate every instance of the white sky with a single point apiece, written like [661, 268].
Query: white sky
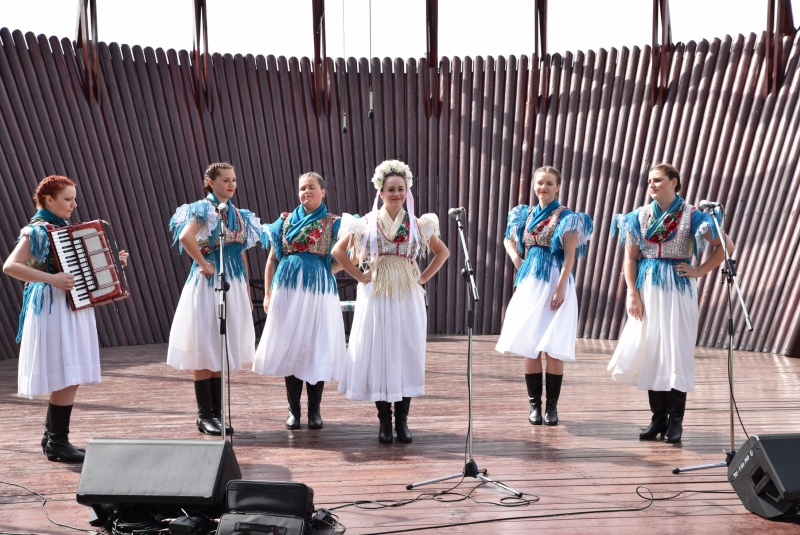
[466, 27]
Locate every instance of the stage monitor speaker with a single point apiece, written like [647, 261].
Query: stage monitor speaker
[765, 473]
[158, 472]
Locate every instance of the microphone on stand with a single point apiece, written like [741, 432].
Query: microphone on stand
[223, 207]
[455, 212]
[709, 204]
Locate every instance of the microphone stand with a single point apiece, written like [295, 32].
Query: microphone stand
[470, 467]
[729, 271]
[223, 288]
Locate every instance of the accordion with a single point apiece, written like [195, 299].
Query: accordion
[88, 251]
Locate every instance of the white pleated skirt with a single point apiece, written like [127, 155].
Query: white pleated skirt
[386, 354]
[531, 327]
[657, 353]
[194, 339]
[59, 347]
[303, 335]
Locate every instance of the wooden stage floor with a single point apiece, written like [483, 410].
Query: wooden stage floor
[592, 460]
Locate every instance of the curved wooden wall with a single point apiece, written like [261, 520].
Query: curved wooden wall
[140, 153]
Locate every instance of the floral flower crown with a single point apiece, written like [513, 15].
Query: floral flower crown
[392, 167]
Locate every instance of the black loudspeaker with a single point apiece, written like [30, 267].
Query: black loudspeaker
[765, 473]
[184, 473]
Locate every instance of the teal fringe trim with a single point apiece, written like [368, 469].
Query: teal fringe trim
[662, 274]
[628, 227]
[196, 211]
[317, 277]
[576, 221]
[516, 222]
[40, 243]
[33, 293]
[538, 264]
[234, 265]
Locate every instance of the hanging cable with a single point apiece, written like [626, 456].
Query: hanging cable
[371, 113]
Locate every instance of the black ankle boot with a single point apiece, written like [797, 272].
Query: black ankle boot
[216, 404]
[58, 447]
[658, 424]
[534, 383]
[676, 406]
[205, 417]
[553, 387]
[294, 389]
[314, 393]
[401, 420]
[385, 417]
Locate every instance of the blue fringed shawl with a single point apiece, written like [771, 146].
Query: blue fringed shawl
[539, 259]
[205, 214]
[661, 271]
[315, 269]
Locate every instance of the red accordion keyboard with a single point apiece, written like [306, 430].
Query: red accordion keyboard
[88, 251]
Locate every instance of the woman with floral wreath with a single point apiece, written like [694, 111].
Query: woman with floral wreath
[194, 338]
[386, 356]
[541, 320]
[304, 333]
[59, 350]
[656, 348]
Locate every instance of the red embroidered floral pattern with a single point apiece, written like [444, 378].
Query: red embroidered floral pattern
[667, 226]
[402, 232]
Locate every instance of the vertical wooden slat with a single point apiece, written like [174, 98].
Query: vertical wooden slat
[585, 113]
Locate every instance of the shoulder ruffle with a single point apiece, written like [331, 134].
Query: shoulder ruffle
[272, 235]
[252, 225]
[573, 222]
[40, 241]
[515, 225]
[428, 225]
[357, 229]
[201, 212]
[701, 225]
[337, 225]
[628, 227]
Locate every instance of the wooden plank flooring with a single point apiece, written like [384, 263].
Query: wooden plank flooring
[591, 460]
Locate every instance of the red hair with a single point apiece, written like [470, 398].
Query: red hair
[51, 186]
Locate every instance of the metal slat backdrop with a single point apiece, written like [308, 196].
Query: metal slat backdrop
[140, 153]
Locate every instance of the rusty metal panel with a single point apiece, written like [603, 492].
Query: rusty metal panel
[138, 149]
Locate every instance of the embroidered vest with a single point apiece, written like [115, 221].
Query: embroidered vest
[544, 231]
[398, 246]
[680, 246]
[316, 238]
[229, 236]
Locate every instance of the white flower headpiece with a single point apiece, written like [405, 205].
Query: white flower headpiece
[392, 167]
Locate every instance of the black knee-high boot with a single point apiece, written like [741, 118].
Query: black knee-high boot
[314, 393]
[553, 390]
[58, 447]
[534, 383]
[676, 406]
[401, 420]
[658, 424]
[294, 389]
[205, 415]
[216, 404]
[385, 417]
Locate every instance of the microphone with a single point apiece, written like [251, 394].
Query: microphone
[709, 204]
[455, 212]
[222, 207]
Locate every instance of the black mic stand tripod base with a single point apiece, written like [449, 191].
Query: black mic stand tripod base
[470, 467]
